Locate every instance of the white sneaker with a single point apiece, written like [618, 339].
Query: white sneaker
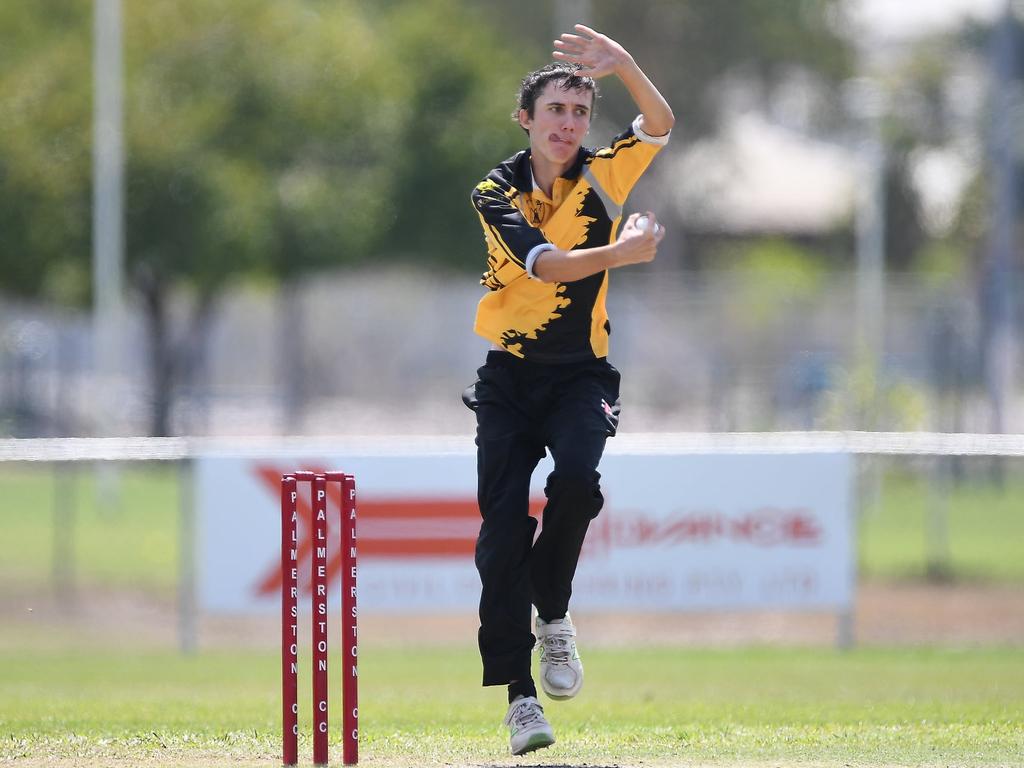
[561, 671]
[528, 728]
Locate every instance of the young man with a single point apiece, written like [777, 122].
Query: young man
[549, 215]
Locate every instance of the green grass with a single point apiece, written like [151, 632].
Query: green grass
[425, 707]
[984, 525]
[128, 538]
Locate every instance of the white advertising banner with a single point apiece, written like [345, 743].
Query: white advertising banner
[677, 532]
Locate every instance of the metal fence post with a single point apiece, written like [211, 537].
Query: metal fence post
[188, 640]
[65, 507]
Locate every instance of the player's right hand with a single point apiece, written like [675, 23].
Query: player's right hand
[636, 245]
[598, 55]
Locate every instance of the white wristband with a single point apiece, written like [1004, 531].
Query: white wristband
[531, 258]
[646, 137]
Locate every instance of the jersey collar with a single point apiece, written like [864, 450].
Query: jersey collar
[524, 170]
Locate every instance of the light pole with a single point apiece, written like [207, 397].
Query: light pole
[867, 102]
[1000, 275]
[108, 205]
[107, 231]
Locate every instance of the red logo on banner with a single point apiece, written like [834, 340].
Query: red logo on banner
[763, 527]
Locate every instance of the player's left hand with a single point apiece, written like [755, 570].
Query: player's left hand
[598, 55]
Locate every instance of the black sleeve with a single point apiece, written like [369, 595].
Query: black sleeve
[504, 225]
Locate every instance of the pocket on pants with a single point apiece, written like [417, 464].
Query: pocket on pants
[473, 395]
[611, 415]
[491, 386]
[469, 396]
[611, 404]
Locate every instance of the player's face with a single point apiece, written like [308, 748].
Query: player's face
[560, 120]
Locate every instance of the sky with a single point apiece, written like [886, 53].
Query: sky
[901, 18]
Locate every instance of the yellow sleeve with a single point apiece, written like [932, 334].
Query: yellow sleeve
[618, 167]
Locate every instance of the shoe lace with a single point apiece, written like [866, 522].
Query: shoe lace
[557, 648]
[527, 713]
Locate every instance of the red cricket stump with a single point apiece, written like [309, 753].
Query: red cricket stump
[319, 592]
[318, 578]
[289, 621]
[349, 624]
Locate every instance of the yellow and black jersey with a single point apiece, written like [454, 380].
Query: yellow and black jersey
[554, 322]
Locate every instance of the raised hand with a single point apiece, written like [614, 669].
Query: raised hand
[598, 55]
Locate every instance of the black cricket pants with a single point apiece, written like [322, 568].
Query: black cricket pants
[522, 408]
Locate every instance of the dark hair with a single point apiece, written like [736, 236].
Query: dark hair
[536, 81]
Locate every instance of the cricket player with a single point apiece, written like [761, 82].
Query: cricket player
[550, 216]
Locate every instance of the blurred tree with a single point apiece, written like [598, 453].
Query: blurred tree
[905, 235]
[44, 150]
[458, 98]
[257, 141]
[268, 138]
[917, 118]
